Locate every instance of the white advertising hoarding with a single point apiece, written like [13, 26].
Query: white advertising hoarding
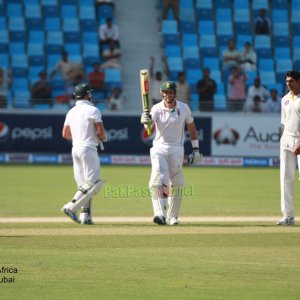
[246, 135]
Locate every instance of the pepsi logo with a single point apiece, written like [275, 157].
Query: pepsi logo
[147, 139]
[4, 132]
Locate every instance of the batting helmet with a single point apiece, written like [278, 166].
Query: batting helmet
[168, 86]
[81, 90]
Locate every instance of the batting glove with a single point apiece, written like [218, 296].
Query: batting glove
[146, 119]
[194, 157]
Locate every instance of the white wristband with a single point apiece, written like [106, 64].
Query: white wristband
[195, 143]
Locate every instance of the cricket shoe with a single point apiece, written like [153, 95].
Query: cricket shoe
[174, 221]
[286, 221]
[70, 214]
[86, 222]
[160, 220]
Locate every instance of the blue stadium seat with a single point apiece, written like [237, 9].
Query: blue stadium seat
[187, 26]
[262, 44]
[49, 2]
[19, 72]
[190, 52]
[87, 12]
[171, 39]
[54, 48]
[33, 73]
[5, 61]
[52, 11]
[267, 77]
[14, 10]
[282, 53]
[52, 59]
[19, 60]
[242, 28]
[223, 3]
[34, 24]
[172, 51]
[72, 49]
[3, 23]
[194, 103]
[251, 75]
[16, 23]
[204, 4]
[89, 37]
[105, 11]
[282, 65]
[36, 60]
[17, 48]
[216, 75]
[193, 76]
[52, 24]
[224, 14]
[212, 63]
[206, 27]
[295, 16]
[281, 29]
[88, 25]
[35, 48]
[18, 36]
[169, 27]
[175, 66]
[22, 99]
[280, 15]
[192, 63]
[241, 15]
[279, 3]
[240, 4]
[281, 41]
[276, 86]
[4, 37]
[90, 50]
[266, 64]
[224, 28]
[72, 37]
[220, 102]
[70, 25]
[86, 2]
[189, 39]
[295, 5]
[257, 4]
[186, 4]
[69, 11]
[187, 15]
[207, 41]
[20, 85]
[33, 11]
[36, 36]
[55, 37]
[113, 77]
[204, 10]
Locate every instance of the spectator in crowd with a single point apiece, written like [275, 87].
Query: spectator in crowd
[109, 32]
[248, 58]
[5, 83]
[111, 56]
[206, 88]
[262, 23]
[183, 92]
[97, 79]
[68, 69]
[256, 90]
[231, 56]
[273, 104]
[116, 99]
[157, 79]
[237, 94]
[257, 106]
[41, 91]
[170, 4]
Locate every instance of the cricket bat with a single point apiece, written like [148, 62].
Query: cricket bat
[145, 90]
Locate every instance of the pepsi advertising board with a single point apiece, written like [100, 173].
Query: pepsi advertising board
[41, 133]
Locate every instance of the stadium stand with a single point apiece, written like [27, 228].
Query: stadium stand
[33, 33]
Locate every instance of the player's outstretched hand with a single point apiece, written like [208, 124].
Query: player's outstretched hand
[194, 157]
[146, 119]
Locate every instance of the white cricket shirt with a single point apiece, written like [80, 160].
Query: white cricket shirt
[170, 123]
[81, 119]
[290, 114]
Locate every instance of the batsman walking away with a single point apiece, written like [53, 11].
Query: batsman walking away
[83, 125]
[167, 181]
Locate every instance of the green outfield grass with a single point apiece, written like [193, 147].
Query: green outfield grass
[42, 191]
[142, 260]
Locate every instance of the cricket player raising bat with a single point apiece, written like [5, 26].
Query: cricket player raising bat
[166, 183]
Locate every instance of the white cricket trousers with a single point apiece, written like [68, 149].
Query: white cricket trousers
[288, 165]
[167, 166]
[86, 164]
